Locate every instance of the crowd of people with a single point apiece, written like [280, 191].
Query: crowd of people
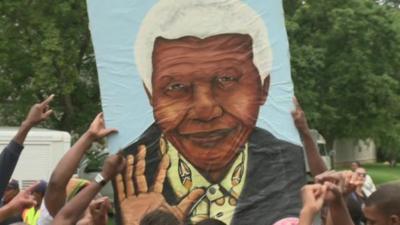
[337, 198]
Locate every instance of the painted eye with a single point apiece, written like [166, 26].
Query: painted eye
[226, 78]
[176, 87]
[226, 81]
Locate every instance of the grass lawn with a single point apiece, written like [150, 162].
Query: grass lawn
[381, 173]
[111, 221]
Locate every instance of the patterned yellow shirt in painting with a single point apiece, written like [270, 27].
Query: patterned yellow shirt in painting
[220, 199]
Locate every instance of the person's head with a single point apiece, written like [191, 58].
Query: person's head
[39, 191]
[11, 191]
[206, 76]
[355, 165]
[210, 222]
[74, 186]
[160, 217]
[361, 174]
[383, 206]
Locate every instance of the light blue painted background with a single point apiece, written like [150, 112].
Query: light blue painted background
[114, 25]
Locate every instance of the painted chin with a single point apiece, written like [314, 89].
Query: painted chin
[213, 150]
[210, 139]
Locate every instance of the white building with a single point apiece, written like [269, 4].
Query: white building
[43, 149]
[348, 150]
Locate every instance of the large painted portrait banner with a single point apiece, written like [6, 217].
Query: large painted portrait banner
[201, 90]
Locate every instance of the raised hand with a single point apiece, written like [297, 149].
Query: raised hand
[313, 197]
[98, 130]
[39, 112]
[24, 199]
[338, 185]
[299, 117]
[99, 210]
[341, 183]
[136, 203]
[113, 165]
[96, 213]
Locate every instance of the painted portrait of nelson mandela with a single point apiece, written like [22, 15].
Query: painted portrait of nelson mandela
[206, 68]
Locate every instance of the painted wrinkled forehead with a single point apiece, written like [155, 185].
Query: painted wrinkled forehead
[169, 52]
[173, 19]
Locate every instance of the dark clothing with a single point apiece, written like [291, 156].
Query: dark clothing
[355, 203]
[8, 160]
[12, 219]
[275, 175]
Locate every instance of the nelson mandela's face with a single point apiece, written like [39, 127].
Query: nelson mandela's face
[206, 96]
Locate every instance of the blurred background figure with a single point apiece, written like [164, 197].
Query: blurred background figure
[369, 186]
[10, 192]
[31, 216]
[356, 199]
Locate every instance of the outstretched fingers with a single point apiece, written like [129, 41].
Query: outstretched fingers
[129, 187]
[119, 185]
[47, 100]
[162, 173]
[140, 166]
[186, 203]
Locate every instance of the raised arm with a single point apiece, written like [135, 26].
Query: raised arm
[73, 210]
[313, 200]
[38, 113]
[55, 194]
[338, 212]
[10, 155]
[339, 184]
[317, 165]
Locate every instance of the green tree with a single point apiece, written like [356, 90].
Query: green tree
[392, 3]
[345, 64]
[45, 48]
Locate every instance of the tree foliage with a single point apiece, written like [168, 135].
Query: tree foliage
[345, 66]
[45, 48]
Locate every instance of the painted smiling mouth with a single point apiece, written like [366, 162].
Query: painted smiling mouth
[209, 138]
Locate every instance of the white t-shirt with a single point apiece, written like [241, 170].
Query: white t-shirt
[369, 186]
[45, 217]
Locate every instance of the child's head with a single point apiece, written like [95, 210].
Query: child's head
[160, 217]
[383, 206]
[11, 191]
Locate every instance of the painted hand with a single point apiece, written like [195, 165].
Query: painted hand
[136, 203]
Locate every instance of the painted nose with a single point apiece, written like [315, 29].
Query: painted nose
[204, 106]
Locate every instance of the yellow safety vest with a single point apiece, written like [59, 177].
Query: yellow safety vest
[31, 216]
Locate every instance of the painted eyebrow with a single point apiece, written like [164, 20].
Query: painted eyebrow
[220, 71]
[169, 63]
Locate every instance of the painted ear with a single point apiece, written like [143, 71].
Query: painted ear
[265, 89]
